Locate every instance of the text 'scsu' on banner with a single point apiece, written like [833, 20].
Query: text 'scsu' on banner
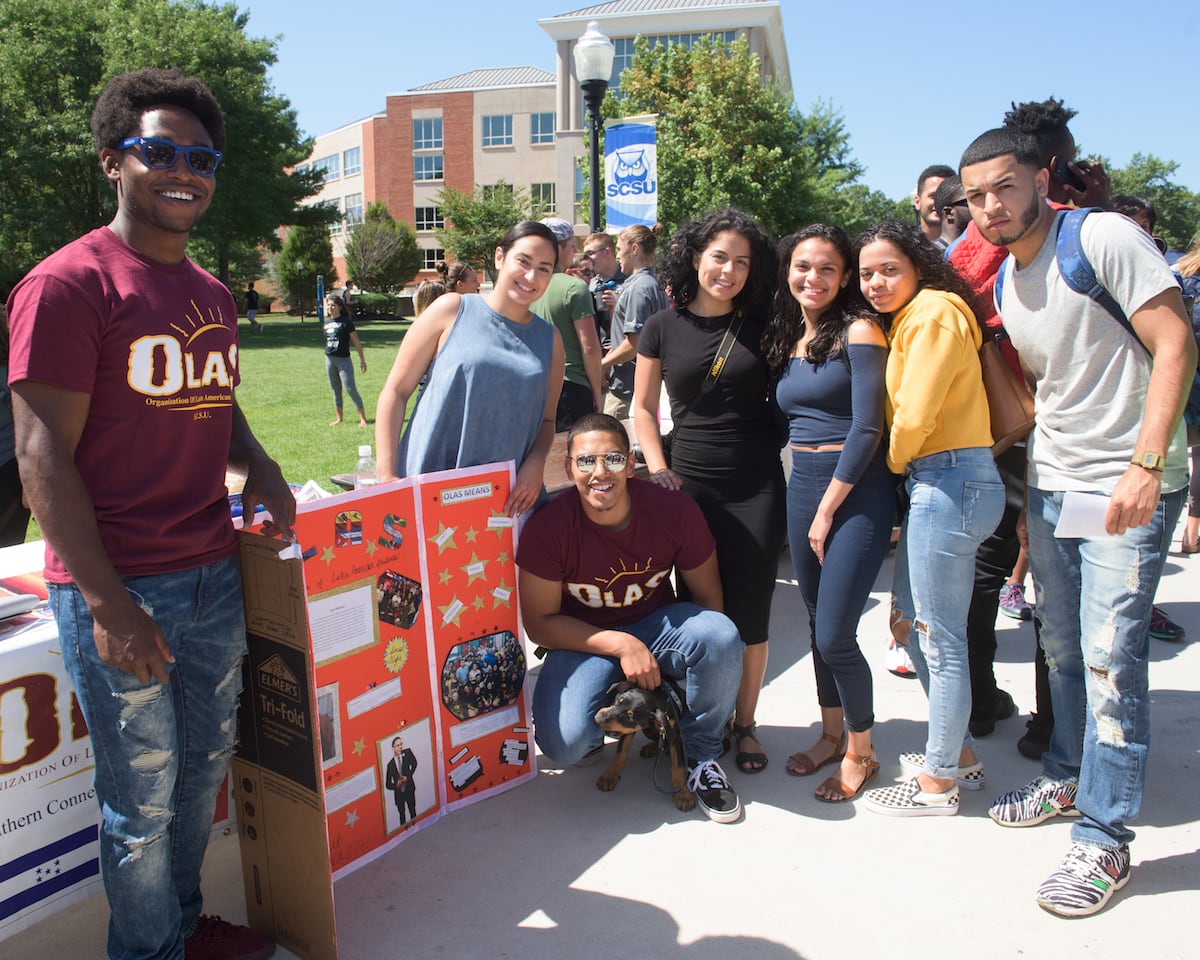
[630, 172]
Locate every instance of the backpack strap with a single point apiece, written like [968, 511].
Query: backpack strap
[1077, 271]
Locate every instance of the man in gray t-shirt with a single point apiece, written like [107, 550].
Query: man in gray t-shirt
[1108, 406]
[641, 297]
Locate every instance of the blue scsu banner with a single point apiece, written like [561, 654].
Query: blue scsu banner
[630, 172]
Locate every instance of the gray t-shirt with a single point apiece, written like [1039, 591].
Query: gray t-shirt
[1090, 374]
[641, 297]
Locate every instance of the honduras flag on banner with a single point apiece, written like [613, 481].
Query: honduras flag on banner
[630, 172]
[47, 873]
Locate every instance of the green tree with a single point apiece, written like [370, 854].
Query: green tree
[727, 138]
[306, 254]
[477, 221]
[381, 254]
[55, 59]
[1177, 207]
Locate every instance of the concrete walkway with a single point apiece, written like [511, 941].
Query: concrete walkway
[556, 870]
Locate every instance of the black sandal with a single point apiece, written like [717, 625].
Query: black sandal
[745, 761]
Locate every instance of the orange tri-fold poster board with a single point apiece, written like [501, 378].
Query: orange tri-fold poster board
[385, 685]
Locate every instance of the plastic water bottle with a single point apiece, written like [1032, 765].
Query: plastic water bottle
[364, 470]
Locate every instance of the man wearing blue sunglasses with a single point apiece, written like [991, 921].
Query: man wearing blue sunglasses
[123, 369]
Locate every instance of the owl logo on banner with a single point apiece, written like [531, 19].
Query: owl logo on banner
[631, 172]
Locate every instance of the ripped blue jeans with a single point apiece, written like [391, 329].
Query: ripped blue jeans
[161, 751]
[1093, 609]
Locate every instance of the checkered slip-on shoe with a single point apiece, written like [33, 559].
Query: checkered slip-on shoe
[908, 800]
[969, 777]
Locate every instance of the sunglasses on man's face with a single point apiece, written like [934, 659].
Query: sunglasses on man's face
[161, 154]
[613, 461]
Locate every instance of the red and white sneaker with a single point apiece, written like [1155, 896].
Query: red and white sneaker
[898, 662]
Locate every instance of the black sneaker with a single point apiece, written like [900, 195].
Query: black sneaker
[1163, 627]
[984, 722]
[216, 939]
[1036, 740]
[716, 797]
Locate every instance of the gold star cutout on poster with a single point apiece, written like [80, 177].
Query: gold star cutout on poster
[501, 595]
[443, 538]
[472, 533]
[478, 603]
[451, 612]
[371, 548]
[327, 555]
[359, 747]
[475, 570]
[502, 556]
[500, 529]
[351, 818]
[444, 577]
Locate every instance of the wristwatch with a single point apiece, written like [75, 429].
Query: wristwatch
[1149, 460]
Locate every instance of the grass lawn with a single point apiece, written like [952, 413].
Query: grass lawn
[285, 395]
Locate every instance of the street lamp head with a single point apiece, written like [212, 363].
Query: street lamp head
[594, 54]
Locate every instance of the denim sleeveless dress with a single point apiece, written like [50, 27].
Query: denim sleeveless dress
[485, 396]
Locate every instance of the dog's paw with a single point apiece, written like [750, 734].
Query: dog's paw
[649, 749]
[607, 781]
[685, 800]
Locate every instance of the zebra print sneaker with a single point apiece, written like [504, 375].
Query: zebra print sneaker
[1040, 799]
[1085, 880]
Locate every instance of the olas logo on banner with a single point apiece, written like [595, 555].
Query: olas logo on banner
[190, 369]
[631, 172]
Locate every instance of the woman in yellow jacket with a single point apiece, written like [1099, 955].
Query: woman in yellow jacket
[939, 440]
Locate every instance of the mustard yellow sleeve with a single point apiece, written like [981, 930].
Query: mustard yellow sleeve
[928, 347]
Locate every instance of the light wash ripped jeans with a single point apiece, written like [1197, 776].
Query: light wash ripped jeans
[956, 498]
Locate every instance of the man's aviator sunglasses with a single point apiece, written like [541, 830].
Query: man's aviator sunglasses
[613, 461]
[160, 154]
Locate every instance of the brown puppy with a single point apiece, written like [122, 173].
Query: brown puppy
[655, 713]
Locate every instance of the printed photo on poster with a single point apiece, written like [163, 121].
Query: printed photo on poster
[482, 675]
[329, 725]
[399, 599]
[408, 775]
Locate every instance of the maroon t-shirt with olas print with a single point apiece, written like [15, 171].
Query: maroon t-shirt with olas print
[609, 577]
[155, 347]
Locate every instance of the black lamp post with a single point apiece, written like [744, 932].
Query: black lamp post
[593, 66]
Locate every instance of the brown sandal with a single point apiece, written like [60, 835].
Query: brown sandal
[844, 792]
[801, 764]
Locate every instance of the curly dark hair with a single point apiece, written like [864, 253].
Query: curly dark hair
[1046, 120]
[934, 271]
[118, 112]
[787, 318]
[678, 273]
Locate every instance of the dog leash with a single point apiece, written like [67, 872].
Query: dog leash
[676, 704]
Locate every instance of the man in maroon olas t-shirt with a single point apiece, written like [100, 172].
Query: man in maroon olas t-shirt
[123, 369]
[595, 591]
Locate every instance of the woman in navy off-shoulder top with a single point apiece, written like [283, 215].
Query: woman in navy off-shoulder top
[841, 499]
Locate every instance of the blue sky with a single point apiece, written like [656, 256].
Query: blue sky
[915, 85]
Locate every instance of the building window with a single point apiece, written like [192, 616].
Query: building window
[491, 190]
[623, 57]
[428, 167]
[427, 133]
[428, 218]
[497, 130]
[541, 128]
[302, 169]
[431, 258]
[354, 209]
[328, 166]
[335, 226]
[542, 197]
[352, 161]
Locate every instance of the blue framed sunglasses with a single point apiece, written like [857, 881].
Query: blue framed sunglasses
[161, 154]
